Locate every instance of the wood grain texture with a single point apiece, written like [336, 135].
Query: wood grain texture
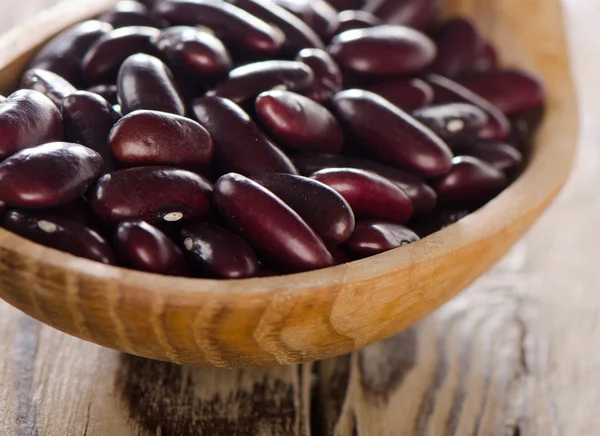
[304, 317]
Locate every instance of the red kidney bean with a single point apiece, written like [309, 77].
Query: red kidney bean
[231, 24]
[453, 122]
[438, 220]
[448, 91]
[142, 246]
[48, 175]
[194, 53]
[218, 252]
[511, 91]
[343, 5]
[383, 50]
[339, 257]
[159, 138]
[271, 227]
[391, 133]
[373, 237]
[327, 76]
[317, 14]
[422, 196]
[420, 14]
[520, 135]
[249, 80]
[108, 91]
[458, 44]
[3, 208]
[407, 94]
[299, 123]
[326, 211]
[64, 53]
[470, 183]
[103, 60]
[131, 13]
[145, 82]
[240, 145]
[486, 59]
[368, 194]
[48, 83]
[297, 34]
[75, 210]
[500, 155]
[152, 194]
[59, 233]
[350, 20]
[88, 119]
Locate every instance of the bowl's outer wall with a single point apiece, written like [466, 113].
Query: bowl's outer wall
[306, 316]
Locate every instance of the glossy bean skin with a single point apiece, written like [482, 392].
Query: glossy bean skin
[48, 175]
[453, 122]
[153, 194]
[130, 13]
[109, 92]
[470, 183]
[325, 211]
[145, 82]
[28, 118]
[64, 53]
[142, 246]
[391, 134]
[327, 76]
[234, 26]
[350, 20]
[458, 44]
[88, 119]
[240, 146]
[246, 82]
[486, 59]
[219, 253]
[422, 195]
[48, 83]
[159, 138]
[299, 123]
[500, 155]
[420, 14]
[407, 94]
[438, 220]
[59, 233]
[373, 237]
[102, 62]
[511, 91]
[449, 91]
[194, 53]
[271, 227]
[368, 194]
[383, 50]
[317, 14]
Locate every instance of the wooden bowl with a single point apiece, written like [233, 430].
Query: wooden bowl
[309, 316]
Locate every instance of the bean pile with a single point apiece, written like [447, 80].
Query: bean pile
[245, 138]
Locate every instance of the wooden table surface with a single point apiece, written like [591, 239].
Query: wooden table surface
[516, 354]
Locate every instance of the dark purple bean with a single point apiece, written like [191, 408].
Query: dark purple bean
[438, 220]
[232, 25]
[103, 60]
[142, 246]
[317, 14]
[240, 145]
[327, 75]
[108, 91]
[218, 252]
[297, 34]
[520, 135]
[64, 53]
[383, 50]
[453, 122]
[299, 123]
[131, 13]
[420, 14]
[470, 183]
[391, 134]
[152, 194]
[448, 91]
[59, 233]
[194, 53]
[270, 226]
[246, 82]
[407, 94]
[350, 20]
[323, 208]
[500, 155]
[28, 118]
[48, 175]
[486, 59]
[422, 196]
[48, 83]
[373, 237]
[458, 44]
[368, 194]
[75, 210]
[511, 91]
[3, 208]
[339, 257]
[159, 138]
[88, 119]
[145, 82]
